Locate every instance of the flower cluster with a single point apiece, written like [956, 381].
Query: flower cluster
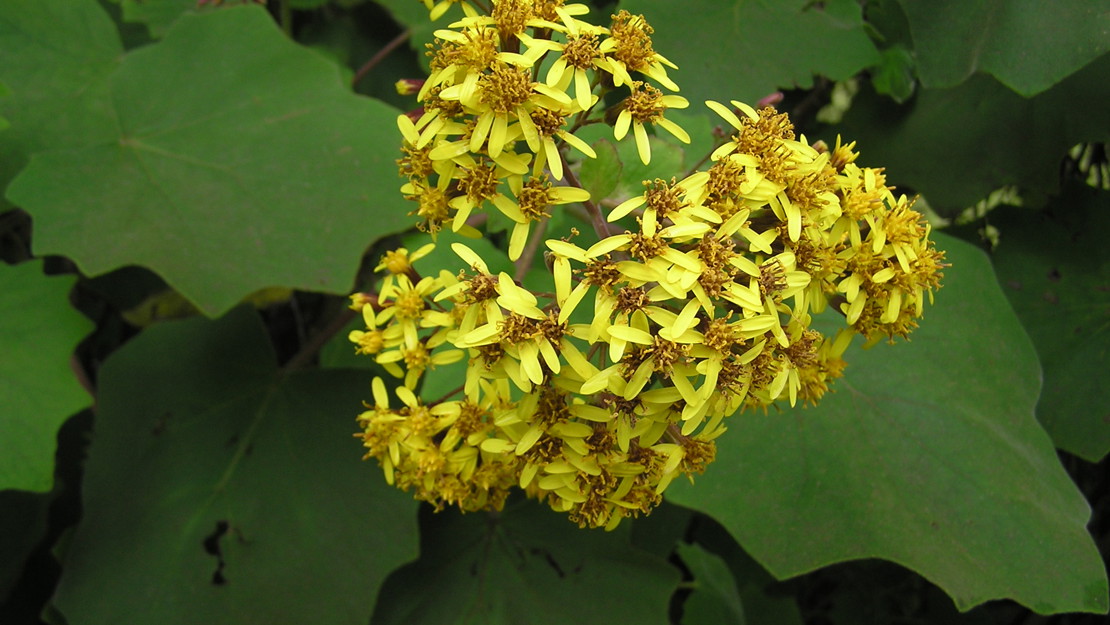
[694, 302]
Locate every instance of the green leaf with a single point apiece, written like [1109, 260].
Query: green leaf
[714, 598]
[957, 145]
[57, 57]
[525, 564]
[218, 490]
[600, 175]
[928, 455]
[1027, 45]
[763, 599]
[894, 76]
[38, 390]
[745, 50]
[666, 161]
[265, 158]
[157, 15]
[1055, 269]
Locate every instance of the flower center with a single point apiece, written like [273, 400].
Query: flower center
[633, 36]
[581, 51]
[534, 199]
[645, 103]
[479, 183]
[505, 88]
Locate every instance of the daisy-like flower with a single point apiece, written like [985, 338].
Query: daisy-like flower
[479, 183]
[668, 201]
[540, 129]
[534, 199]
[373, 339]
[629, 49]
[405, 304]
[498, 98]
[577, 56]
[646, 105]
[399, 261]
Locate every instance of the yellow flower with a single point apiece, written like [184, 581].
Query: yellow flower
[540, 128]
[646, 105]
[533, 200]
[399, 261]
[629, 48]
[373, 340]
[580, 53]
[595, 394]
[498, 98]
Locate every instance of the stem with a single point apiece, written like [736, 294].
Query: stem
[286, 17]
[601, 227]
[380, 54]
[316, 341]
[529, 254]
[452, 392]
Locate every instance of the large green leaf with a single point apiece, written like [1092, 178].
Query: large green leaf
[239, 161]
[928, 455]
[746, 49]
[218, 490]
[1028, 45]
[57, 55]
[957, 145]
[1055, 268]
[525, 564]
[38, 390]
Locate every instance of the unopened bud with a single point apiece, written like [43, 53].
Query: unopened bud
[409, 86]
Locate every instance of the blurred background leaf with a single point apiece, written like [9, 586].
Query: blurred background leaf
[1027, 45]
[956, 145]
[734, 49]
[1054, 267]
[714, 598]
